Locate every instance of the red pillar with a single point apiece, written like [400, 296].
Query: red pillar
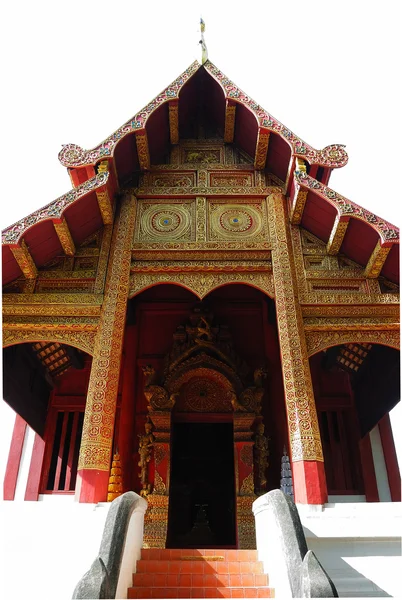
[369, 478]
[391, 461]
[309, 482]
[35, 469]
[14, 458]
[92, 485]
[100, 409]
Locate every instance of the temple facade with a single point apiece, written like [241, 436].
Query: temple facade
[202, 309]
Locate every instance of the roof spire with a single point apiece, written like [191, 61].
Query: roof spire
[204, 51]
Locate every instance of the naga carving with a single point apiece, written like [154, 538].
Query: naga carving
[157, 396]
[250, 399]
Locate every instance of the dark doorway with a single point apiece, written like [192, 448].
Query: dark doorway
[202, 486]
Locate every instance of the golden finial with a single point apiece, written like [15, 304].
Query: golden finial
[204, 51]
[115, 488]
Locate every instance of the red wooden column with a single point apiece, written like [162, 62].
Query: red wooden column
[368, 471]
[391, 461]
[14, 458]
[97, 434]
[309, 481]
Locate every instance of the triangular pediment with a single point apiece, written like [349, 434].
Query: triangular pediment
[202, 105]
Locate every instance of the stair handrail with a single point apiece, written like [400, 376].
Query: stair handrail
[294, 570]
[111, 572]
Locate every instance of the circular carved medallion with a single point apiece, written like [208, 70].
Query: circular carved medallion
[165, 223]
[204, 395]
[165, 220]
[235, 221]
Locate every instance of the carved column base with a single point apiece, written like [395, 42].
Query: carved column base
[245, 523]
[156, 521]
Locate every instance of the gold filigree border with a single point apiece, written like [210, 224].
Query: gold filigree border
[320, 340]
[201, 283]
[83, 340]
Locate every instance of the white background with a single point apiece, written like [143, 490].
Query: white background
[75, 71]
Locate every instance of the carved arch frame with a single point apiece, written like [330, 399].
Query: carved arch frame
[83, 340]
[201, 284]
[320, 340]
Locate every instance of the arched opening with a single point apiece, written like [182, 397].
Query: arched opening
[191, 378]
[356, 384]
[46, 383]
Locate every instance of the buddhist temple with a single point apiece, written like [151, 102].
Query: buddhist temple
[200, 319]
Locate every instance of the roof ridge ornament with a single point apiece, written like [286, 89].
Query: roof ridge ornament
[204, 50]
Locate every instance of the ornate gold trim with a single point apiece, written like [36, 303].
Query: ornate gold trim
[71, 322]
[368, 292]
[230, 117]
[337, 234]
[376, 260]
[299, 397]
[103, 259]
[200, 190]
[201, 283]
[298, 207]
[82, 339]
[174, 121]
[143, 150]
[24, 259]
[320, 340]
[201, 218]
[381, 310]
[261, 148]
[65, 237]
[300, 197]
[350, 324]
[105, 206]
[97, 435]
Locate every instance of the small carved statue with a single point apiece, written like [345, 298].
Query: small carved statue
[146, 442]
[150, 375]
[261, 453]
[237, 406]
[203, 331]
[259, 375]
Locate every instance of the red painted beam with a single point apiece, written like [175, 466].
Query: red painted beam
[391, 461]
[14, 458]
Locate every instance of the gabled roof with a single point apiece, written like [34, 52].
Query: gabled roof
[201, 101]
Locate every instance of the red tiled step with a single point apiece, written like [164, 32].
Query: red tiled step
[199, 566]
[206, 592]
[199, 580]
[187, 554]
[199, 573]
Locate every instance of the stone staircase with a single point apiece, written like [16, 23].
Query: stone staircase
[194, 573]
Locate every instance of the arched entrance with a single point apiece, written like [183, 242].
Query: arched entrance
[170, 356]
[356, 384]
[206, 416]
